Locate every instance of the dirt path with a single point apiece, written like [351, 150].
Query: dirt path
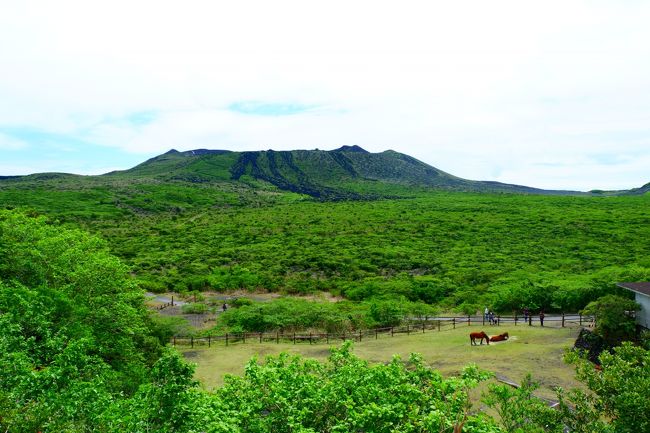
[163, 299]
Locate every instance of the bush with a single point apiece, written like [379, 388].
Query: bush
[194, 308]
[240, 302]
[613, 319]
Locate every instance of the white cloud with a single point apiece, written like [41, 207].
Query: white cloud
[10, 143]
[483, 90]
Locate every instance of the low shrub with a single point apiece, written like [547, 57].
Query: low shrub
[194, 308]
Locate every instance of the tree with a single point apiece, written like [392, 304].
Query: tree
[618, 398]
[519, 411]
[613, 319]
[346, 394]
[75, 332]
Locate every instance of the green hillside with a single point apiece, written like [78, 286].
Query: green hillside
[350, 222]
[349, 172]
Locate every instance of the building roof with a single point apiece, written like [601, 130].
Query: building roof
[643, 288]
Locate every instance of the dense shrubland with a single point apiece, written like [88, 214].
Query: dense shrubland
[79, 353]
[454, 250]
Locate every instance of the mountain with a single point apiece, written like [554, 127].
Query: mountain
[637, 191]
[348, 172]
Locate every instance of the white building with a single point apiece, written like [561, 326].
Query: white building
[642, 296]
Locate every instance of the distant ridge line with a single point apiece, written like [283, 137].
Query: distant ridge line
[348, 172]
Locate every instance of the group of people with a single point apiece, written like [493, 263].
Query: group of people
[492, 319]
[528, 317]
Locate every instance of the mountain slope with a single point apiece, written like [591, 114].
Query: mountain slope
[346, 173]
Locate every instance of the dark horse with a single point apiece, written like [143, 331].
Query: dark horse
[478, 335]
[502, 337]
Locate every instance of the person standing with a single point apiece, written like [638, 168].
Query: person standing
[541, 318]
[486, 313]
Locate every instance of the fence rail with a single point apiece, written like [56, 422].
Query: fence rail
[415, 326]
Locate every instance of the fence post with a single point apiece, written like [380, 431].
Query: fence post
[483, 319]
[530, 320]
[174, 341]
[391, 331]
[343, 335]
[359, 335]
[515, 319]
[294, 337]
[498, 320]
[244, 336]
[192, 342]
[438, 325]
[563, 319]
[226, 339]
[469, 320]
[375, 333]
[260, 337]
[209, 341]
[310, 338]
[408, 329]
[277, 337]
[172, 300]
[327, 336]
[423, 328]
[453, 321]
[580, 319]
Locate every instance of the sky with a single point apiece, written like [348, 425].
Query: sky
[550, 94]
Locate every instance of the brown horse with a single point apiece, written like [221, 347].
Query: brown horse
[502, 337]
[478, 335]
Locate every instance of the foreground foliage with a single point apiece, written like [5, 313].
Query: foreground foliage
[618, 401]
[75, 333]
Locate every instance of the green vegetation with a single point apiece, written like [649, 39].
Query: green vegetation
[290, 314]
[194, 308]
[75, 334]
[225, 221]
[451, 249]
[346, 394]
[618, 398]
[79, 353]
[519, 411]
[614, 317]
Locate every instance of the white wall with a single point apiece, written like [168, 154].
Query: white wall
[643, 316]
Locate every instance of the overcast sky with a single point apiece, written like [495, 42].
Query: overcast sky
[551, 94]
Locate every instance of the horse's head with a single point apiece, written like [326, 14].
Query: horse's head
[505, 335]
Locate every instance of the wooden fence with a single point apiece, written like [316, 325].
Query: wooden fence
[414, 326]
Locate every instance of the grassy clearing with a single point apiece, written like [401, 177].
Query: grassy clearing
[530, 349]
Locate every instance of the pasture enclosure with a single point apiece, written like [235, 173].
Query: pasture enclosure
[529, 349]
[413, 327]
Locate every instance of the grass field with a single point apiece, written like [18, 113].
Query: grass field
[530, 349]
